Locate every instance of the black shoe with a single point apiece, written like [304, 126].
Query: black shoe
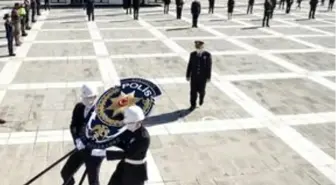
[191, 108]
[201, 102]
[267, 25]
[2, 121]
[24, 34]
[33, 21]
[28, 28]
[12, 55]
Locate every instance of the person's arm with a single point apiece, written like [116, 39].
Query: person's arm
[189, 68]
[114, 155]
[75, 124]
[199, 8]
[209, 67]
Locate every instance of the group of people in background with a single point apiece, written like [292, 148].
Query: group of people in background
[19, 20]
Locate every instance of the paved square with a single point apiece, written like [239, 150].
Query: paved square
[290, 96]
[268, 116]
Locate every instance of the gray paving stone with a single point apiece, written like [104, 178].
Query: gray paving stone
[149, 67]
[63, 35]
[316, 61]
[332, 78]
[210, 45]
[80, 17]
[61, 49]
[30, 110]
[218, 156]
[304, 21]
[155, 15]
[169, 22]
[112, 17]
[327, 42]
[322, 136]
[2, 64]
[276, 43]
[290, 96]
[243, 64]
[175, 100]
[126, 34]
[220, 22]
[58, 71]
[294, 31]
[328, 29]
[241, 31]
[119, 24]
[137, 47]
[70, 24]
[186, 32]
[258, 22]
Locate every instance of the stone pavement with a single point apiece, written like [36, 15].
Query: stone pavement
[269, 116]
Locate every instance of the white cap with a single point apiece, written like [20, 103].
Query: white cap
[133, 114]
[88, 91]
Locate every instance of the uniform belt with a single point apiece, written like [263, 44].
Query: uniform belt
[135, 162]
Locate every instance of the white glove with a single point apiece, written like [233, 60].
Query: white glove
[79, 144]
[98, 152]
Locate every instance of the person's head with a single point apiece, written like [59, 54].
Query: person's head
[16, 5]
[199, 45]
[88, 95]
[6, 17]
[133, 117]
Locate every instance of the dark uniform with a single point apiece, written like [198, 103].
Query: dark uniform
[288, 5]
[230, 5]
[27, 8]
[273, 8]
[90, 9]
[268, 6]
[9, 36]
[211, 6]
[199, 73]
[166, 6]
[136, 7]
[282, 4]
[299, 4]
[195, 11]
[250, 7]
[132, 169]
[80, 157]
[313, 5]
[179, 8]
[38, 7]
[33, 10]
[127, 4]
[331, 5]
[46, 5]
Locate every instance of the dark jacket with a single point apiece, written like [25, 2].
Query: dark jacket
[195, 8]
[179, 2]
[230, 3]
[268, 5]
[9, 30]
[251, 2]
[78, 121]
[90, 5]
[166, 1]
[313, 2]
[199, 67]
[136, 4]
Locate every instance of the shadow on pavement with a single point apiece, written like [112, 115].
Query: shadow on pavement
[166, 117]
[251, 28]
[177, 29]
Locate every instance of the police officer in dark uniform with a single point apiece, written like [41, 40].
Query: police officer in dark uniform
[127, 5]
[195, 11]
[313, 5]
[166, 6]
[38, 7]
[273, 8]
[80, 116]
[198, 73]
[46, 5]
[33, 10]
[230, 5]
[27, 8]
[250, 7]
[211, 6]
[268, 6]
[179, 8]
[90, 9]
[331, 5]
[288, 6]
[136, 7]
[9, 36]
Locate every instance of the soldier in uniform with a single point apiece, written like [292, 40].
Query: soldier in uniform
[273, 8]
[136, 7]
[288, 6]
[268, 6]
[82, 155]
[46, 5]
[9, 36]
[27, 8]
[15, 18]
[33, 10]
[195, 11]
[128, 6]
[132, 169]
[331, 5]
[166, 6]
[313, 5]
[250, 6]
[179, 8]
[211, 6]
[230, 5]
[299, 4]
[38, 7]
[90, 9]
[198, 73]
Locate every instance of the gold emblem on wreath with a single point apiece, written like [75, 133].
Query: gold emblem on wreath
[100, 132]
[116, 105]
